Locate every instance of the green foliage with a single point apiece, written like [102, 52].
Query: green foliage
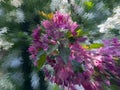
[64, 52]
[93, 46]
[114, 87]
[56, 87]
[20, 34]
[81, 33]
[78, 67]
[88, 5]
[6, 83]
[52, 49]
[41, 59]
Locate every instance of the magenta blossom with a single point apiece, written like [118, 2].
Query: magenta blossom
[69, 63]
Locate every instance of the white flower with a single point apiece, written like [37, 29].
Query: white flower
[12, 60]
[117, 10]
[35, 80]
[3, 43]
[102, 28]
[61, 5]
[15, 62]
[16, 3]
[6, 84]
[10, 16]
[112, 22]
[15, 15]
[54, 4]
[89, 16]
[19, 16]
[3, 30]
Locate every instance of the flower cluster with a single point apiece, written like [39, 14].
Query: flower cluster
[110, 56]
[112, 22]
[16, 16]
[4, 44]
[54, 32]
[16, 3]
[61, 5]
[57, 44]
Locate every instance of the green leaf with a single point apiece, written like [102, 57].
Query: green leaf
[71, 39]
[80, 33]
[51, 49]
[40, 53]
[69, 34]
[95, 45]
[77, 1]
[56, 87]
[105, 87]
[64, 53]
[92, 46]
[114, 87]
[41, 60]
[78, 67]
[89, 5]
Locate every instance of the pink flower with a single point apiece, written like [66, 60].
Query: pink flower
[61, 20]
[75, 65]
[47, 24]
[73, 27]
[36, 34]
[33, 51]
[78, 53]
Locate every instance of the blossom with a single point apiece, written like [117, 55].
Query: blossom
[16, 62]
[61, 21]
[20, 16]
[67, 62]
[35, 80]
[16, 3]
[15, 15]
[5, 83]
[112, 47]
[33, 51]
[76, 67]
[78, 53]
[89, 16]
[36, 34]
[109, 52]
[61, 5]
[3, 30]
[4, 44]
[112, 22]
[47, 24]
